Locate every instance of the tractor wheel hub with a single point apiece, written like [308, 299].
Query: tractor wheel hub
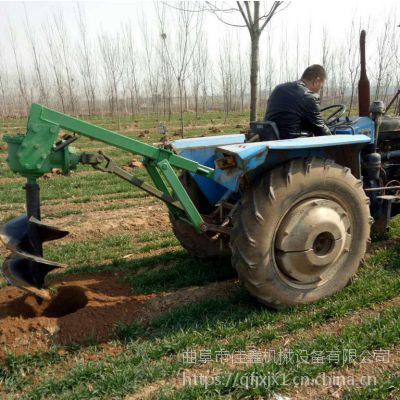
[311, 238]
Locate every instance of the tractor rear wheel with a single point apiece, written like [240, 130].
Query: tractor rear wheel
[300, 233]
[197, 245]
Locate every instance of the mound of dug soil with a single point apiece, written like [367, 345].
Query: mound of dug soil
[84, 307]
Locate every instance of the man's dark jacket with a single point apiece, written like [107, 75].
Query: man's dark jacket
[295, 110]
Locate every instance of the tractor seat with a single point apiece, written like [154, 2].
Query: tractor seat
[263, 131]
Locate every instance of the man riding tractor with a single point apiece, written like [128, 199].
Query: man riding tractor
[294, 106]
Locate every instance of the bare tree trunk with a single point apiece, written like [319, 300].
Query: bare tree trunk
[382, 46]
[113, 64]
[67, 55]
[309, 44]
[241, 79]
[189, 28]
[353, 62]
[22, 86]
[39, 74]
[55, 63]
[152, 77]
[224, 82]
[205, 76]
[197, 65]
[270, 65]
[186, 96]
[255, 43]
[180, 84]
[86, 64]
[130, 73]
[342, 84]
[325, 58]
[297, 52]
[252, 21]
[3, 87]
[259, 88]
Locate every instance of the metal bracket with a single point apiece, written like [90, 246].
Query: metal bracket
[65, 142]
[180, 192]
[103, 163]
[381, 223]
[183, 203]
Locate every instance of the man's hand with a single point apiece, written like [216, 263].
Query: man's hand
[313, 116]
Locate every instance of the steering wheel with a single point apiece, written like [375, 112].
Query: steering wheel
[340, 109]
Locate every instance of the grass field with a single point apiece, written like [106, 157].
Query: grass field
[195, 333]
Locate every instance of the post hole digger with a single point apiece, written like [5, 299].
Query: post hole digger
[294, 215]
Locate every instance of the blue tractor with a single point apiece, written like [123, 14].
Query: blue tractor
[292, 216]
[300, 210]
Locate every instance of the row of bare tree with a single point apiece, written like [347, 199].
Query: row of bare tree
[163, 70]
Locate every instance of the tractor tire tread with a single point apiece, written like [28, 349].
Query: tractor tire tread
[196, 244]
[252, 258]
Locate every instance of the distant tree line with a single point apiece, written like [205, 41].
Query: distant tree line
[164, 71]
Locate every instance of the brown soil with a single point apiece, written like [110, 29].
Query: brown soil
[96, 224]
[84, 307]
[12, 180]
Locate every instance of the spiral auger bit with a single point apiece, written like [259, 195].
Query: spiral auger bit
[32, 155]
[24, 236]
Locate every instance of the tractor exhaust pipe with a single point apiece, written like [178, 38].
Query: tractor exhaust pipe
[363, 83]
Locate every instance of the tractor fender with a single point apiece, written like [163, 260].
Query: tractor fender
[234, 162]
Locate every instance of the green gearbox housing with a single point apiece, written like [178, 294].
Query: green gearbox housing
[33, 155]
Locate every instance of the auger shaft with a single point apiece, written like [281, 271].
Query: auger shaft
[32, 191]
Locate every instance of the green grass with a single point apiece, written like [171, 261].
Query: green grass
[151, 352]
[64, 188]
[83, 252]
[129, 332]
[118, 376]
[142, 121]
[375, 333]
[185, 273]
[15, 372]
[111, 246]
[387, 387]
[235, 320]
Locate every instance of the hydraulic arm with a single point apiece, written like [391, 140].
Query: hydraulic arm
[39, 151]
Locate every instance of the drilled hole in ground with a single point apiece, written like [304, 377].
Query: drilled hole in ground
[68, 300]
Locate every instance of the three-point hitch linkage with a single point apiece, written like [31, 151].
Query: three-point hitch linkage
[37, 152]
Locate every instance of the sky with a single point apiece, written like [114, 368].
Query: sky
[108, 15]
[334, 16]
